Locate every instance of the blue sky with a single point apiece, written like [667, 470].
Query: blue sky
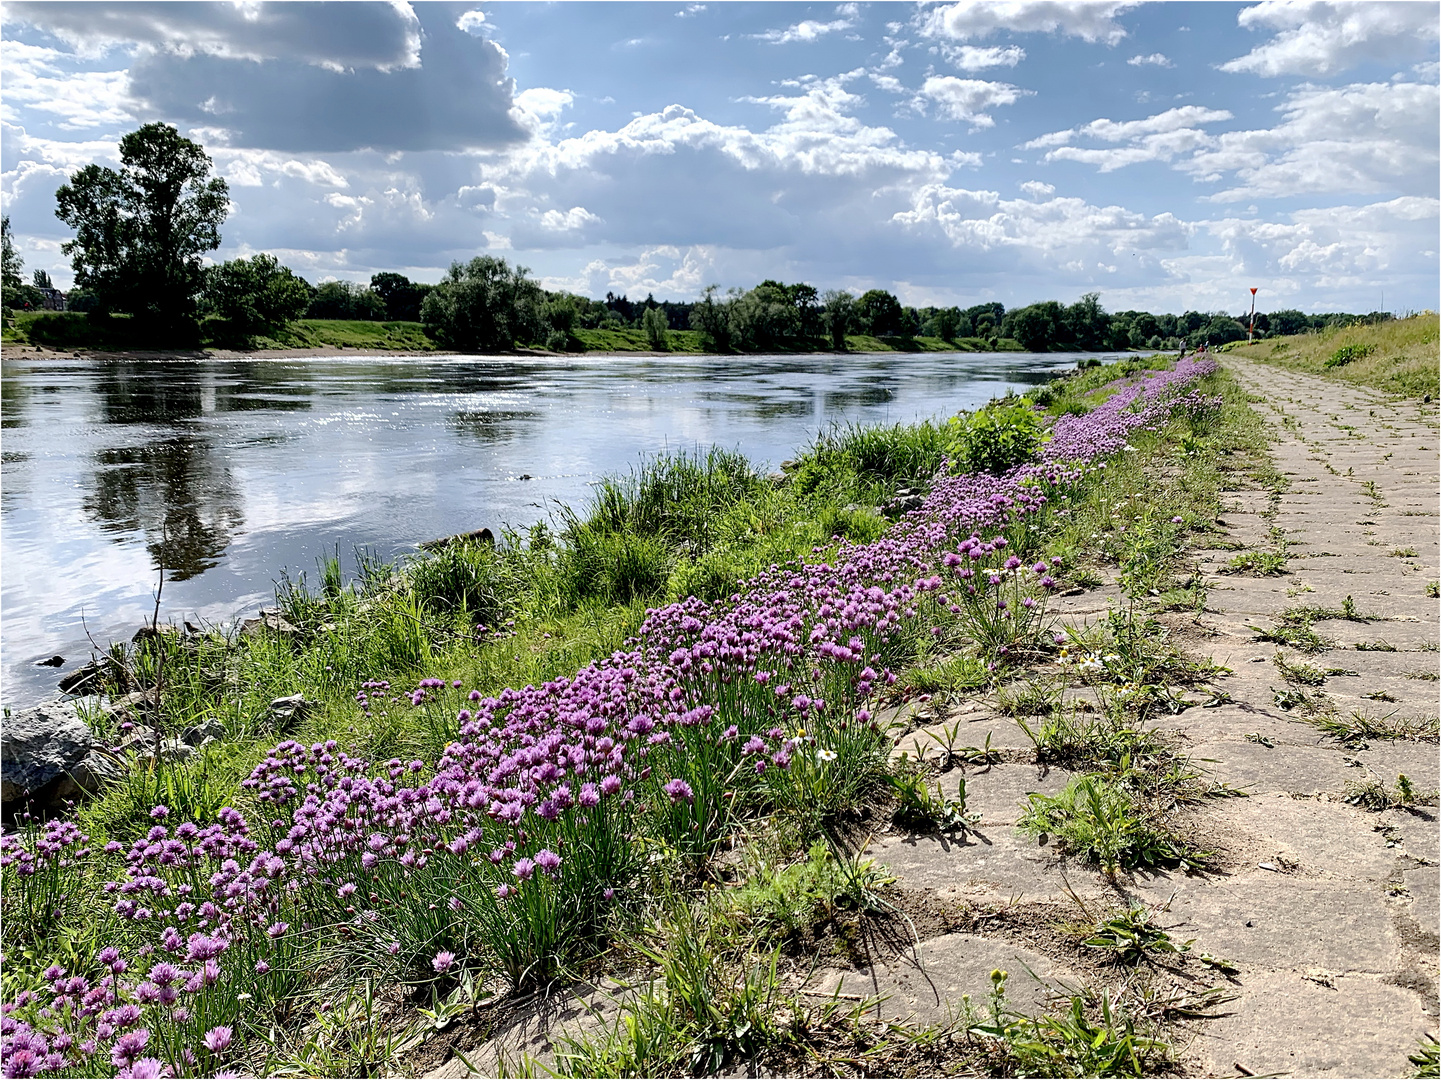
[1166, 155]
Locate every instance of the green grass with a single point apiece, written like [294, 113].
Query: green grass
[350, 334]
[1397, 356]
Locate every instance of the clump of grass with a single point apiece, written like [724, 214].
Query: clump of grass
[1372, 794]
[871, 461]
[1426, 1058]
[1106, 825]
[1360, 726]
[1348, 354]
[1300, 673]
[1132, 937]
[1082, 1040]
[920, 809]
[1260, 563]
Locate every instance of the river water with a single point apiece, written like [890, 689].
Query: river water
[229, 471]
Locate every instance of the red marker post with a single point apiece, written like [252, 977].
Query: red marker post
[1251, 330]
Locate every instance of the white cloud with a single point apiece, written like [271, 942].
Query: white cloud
[1044, 238]
[1037, 189]
[689, 10]
[1161, 137]
[977, 58]
[1154, 59]
[1366, 138]
[1324, 38]
[807, 30]
[1089, 20]
[967, 99]
[472, 22]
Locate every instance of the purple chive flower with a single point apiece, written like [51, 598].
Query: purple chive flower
[217, 1039]
[442, 962]
[547, 860]
[524, 869]
[679, 791]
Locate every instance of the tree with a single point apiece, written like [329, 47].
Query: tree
[656, 327]
[345, 300]
[255, 296]
[712, 320]
[839, 310]
[484, 305]
[140, 232]
[401, 296]
[10, 262]
[41, 279]
[880, 312]
[1085, 323]
[1289, 321]
[764, 318]
[947, 320]
[1037, 327]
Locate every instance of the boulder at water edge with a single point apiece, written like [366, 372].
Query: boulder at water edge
[49, 756]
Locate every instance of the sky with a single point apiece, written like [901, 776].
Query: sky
[1169, 156]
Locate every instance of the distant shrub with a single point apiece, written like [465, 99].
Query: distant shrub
[1004, 434]
[1349, 354]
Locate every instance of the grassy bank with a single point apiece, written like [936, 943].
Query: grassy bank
[751, 707]
[1399, 357]
[74, 330]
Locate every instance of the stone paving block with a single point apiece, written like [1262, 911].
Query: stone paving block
[1259, 769]
[999, 793]
[1287, 1025]
[1324, 839]
[1404, 636]
[1424, 885]
[1265, 921]
[985, 865]
[925, 986]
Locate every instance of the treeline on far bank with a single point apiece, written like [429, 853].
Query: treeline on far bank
[488, 305]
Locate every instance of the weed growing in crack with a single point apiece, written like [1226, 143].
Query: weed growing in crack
[1372, 793]
[1106, 825]
[1132, 937]
[1300, 673]
[1359, 726]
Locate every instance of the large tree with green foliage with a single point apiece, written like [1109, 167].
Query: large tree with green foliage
[880, 312]
[140, 231]
[255, 296]
[402, 297]
[485, 305]
[838, 311]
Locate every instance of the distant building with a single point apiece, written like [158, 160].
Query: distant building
[54, 299]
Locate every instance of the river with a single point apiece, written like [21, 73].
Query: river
[230, 471]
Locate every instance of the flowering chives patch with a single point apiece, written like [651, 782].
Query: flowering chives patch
[509, 855]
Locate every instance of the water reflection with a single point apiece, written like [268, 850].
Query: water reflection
[176, 494]
[228, 472]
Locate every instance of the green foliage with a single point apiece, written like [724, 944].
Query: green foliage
[255, 296]
[346, 300]
[140, 232]
[1348, 354]
[1102, 823]
[1073, 1043]
[484, 305]
[1260, 563]
[919, 809]
[997, 438]
[871, 461]
[1426, 1058]
[1132, 937]
[656, 328]
[401, 296]
[838, 314]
